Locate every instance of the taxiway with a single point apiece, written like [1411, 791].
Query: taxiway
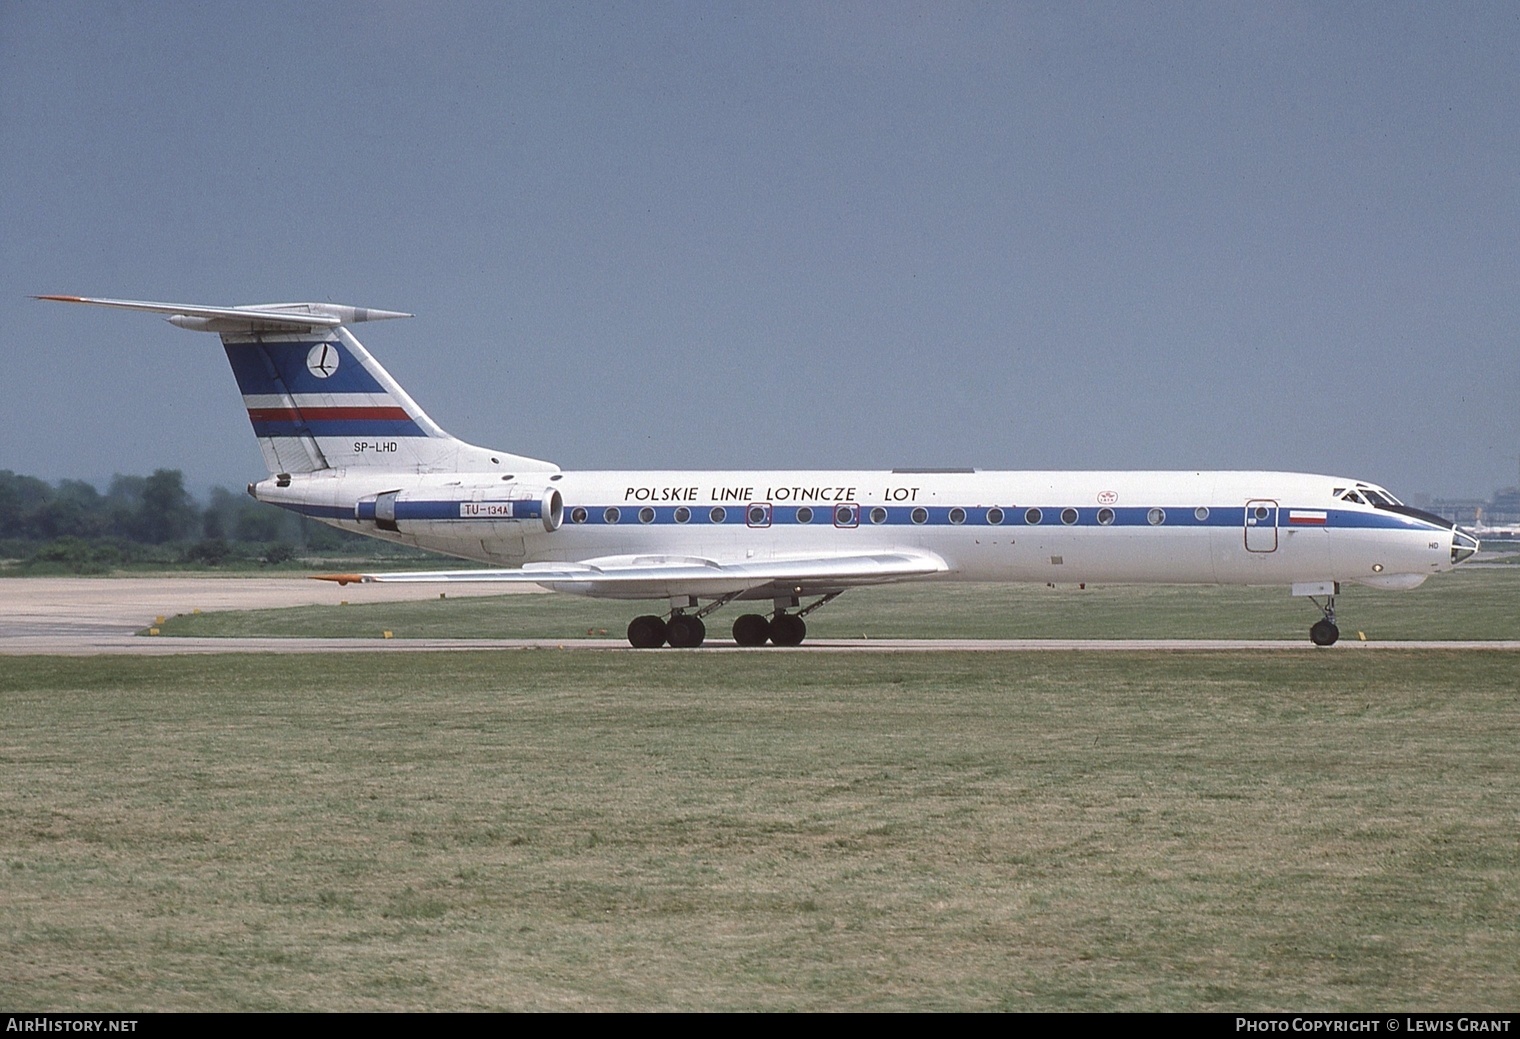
[70, 616]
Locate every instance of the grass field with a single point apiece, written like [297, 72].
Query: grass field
[1469, 604]
[561, 830]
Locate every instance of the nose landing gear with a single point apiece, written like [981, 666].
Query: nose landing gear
[1324, 631]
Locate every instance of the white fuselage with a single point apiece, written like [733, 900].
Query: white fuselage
[1239, 528]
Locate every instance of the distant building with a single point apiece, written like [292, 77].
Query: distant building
[1503, 510]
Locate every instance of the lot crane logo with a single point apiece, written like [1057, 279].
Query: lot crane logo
[322, 360]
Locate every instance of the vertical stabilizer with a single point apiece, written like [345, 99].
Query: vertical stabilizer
[316, 398]
[325, 403]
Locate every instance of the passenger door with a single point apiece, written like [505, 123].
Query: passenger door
[1261, 525]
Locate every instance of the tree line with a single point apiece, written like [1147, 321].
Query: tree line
[73, 526]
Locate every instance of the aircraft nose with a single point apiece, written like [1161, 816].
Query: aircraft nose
[1463, 546]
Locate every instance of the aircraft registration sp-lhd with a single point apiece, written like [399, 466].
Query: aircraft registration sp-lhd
[346, 445]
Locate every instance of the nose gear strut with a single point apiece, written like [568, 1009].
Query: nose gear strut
[1324, 632]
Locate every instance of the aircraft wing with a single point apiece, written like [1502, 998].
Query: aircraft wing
[657, 576]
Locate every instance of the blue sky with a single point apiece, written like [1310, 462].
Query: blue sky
[1258, 235]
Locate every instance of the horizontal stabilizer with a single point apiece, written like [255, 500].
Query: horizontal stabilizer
[261, 317]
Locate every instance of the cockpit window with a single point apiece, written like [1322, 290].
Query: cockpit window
[1377, 496]
[1352, 496]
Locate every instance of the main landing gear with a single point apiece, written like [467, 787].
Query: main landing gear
[680, 629]
[781, 629]
[753, 630]
[683, 630]
[1324, 632]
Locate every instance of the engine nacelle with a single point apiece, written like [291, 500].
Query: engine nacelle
[447, 508]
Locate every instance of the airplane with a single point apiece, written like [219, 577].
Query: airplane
[346, 445]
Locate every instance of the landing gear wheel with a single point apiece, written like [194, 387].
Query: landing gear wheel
[1324, 633]
[647, 632]
[685, 632]
[752, 630]
[788, 629]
